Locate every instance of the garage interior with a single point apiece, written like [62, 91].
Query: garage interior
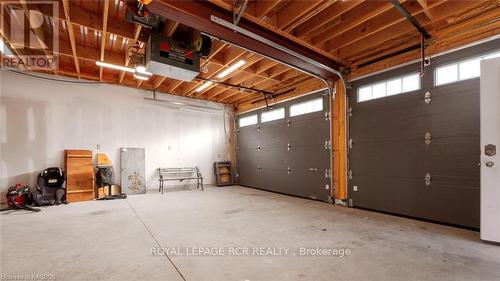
[250, 140]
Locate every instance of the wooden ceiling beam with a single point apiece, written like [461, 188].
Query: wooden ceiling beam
[357, 17]
[484, 26]
[264, 65]
[71, 34]
[327, 17]
[384, 21]
[198, 15]
[443, 12]
[425, 6]
[105, 14]
[247, 104]
[262, 8]
[309, 15]
[294, 11]
[233, 54]
[232, 92]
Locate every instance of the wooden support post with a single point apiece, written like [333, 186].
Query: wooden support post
[339, 142]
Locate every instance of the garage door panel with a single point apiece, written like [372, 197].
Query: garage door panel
[308, 131]
[247, 137]
[305, 157]
[286, 169]
[273, 134]
[274, 180]
[450, 203]
[453, 156]
[248, 175]
[309, 184]
[273, 158]
[393, 194]
[386, 124]
[391, 158]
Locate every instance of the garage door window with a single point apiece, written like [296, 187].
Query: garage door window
[389, 87]
[306, 107]
[271, 115]
[248, 120]
[461, 70]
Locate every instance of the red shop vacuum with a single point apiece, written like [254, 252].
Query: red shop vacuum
[18, 198]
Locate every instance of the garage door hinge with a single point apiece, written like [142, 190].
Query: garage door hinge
[237, 131]
[427, 179]
[350, 143]
[288, 146]
[351, 203]
[328, 144]
[427, 138]
[349, 111]
[427, 97]
[328, 173]
[350, 174]
[289, 170]
[258, 168]
[327, 115]
[238, 148]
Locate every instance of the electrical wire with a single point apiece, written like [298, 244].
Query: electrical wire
[51, 79]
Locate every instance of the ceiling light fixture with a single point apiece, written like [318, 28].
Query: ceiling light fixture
[139, 71]
[204, 86]
[231, 69]
[114, 66]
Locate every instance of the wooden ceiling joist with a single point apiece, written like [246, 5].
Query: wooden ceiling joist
[354, 34]
[71, 35]
[104, 33]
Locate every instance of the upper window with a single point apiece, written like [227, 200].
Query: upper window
[271, 115]
[306, 107]
[390, 87]
[248, 120]
[462, 70]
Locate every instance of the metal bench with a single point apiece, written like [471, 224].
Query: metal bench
[180, 174]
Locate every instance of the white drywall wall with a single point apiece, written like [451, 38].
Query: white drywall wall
[39, 119]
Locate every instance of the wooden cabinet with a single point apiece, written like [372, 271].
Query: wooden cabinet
[79, 174]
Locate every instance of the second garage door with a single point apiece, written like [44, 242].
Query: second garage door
[415, 142]
[291, 154]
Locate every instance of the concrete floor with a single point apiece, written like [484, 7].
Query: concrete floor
[113, 240]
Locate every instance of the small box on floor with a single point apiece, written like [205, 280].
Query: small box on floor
[104, 190]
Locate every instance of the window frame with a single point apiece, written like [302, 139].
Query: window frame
[305, 102]
[271, 120]
[385, 81]
[249, 116]
[457, 63]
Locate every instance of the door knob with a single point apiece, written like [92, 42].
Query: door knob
[490, 164]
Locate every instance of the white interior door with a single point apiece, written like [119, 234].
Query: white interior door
[490, 160]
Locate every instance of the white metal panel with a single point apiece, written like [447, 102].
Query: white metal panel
[490, 135]
[133, 171]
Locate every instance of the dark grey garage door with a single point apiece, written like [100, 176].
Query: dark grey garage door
[287, 155]
[415, 156]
